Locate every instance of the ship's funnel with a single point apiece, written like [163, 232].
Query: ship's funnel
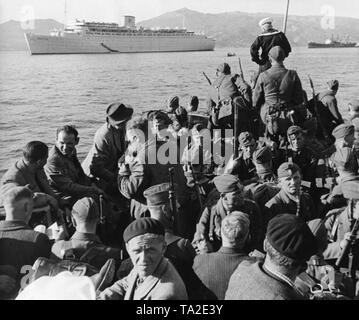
[128, 22]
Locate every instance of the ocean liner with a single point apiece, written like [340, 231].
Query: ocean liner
[95, 37]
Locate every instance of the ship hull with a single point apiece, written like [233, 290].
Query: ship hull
[81, 44]
[313, 45]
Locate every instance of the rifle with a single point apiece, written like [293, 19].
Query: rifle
[348, 245]
[240, 68]
[236, 133]
[322, 127]
[172, 193]
[209, 81]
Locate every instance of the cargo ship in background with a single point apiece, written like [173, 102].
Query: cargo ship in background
[331, 43]
[96, 37]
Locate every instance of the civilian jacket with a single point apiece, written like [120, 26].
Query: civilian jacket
[250, 282]
[102, 160]
[214, 269]
[164, 284]
[66, 175]
[20, 245]
[19, 174]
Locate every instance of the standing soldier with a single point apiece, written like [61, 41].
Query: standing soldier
[278, 90]
[268, 39]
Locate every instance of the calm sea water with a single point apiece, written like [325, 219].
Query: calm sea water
[40, 93]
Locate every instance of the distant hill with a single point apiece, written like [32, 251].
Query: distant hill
[12, 34]
[230, 29]
[236, 29]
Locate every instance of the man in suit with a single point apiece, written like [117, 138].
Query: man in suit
[153, 277]
[234, 231]
[289, 243]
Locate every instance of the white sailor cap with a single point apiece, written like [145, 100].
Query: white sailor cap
[264, 21]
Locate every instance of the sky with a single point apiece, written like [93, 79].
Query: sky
[112, 10]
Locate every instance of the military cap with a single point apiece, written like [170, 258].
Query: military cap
[245, 138]
[264, 21]
[142, 226]
[118, 113]
[291, 236]
[85, 209]
[333, 84]
[277, 53]
[287, 169]
[226, 183]
[354, 105]
[224, 68]
[344, 158]
[262, 155]
[343, 130]
[158, 194]
[351, 189]
[294, 130]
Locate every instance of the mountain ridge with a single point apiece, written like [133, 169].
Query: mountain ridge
[230, 29]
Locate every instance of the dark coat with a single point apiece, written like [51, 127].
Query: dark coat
[281, 203]
[214, 269]
[266, 41]
[20, 245]
[66, 175]
[250, 282]
[330, 101]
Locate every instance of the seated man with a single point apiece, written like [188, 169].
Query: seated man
[215, 269]
[20, 246]
[64, 170]
[289, 243]
[29, 171]
[290, 199]
[85, 217]
[153, 277]
[231, 199]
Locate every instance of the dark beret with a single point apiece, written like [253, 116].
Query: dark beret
[291, 236]
[354, 105]
[287, 169]
[227, 183]
[142, 226]
[277, 53]
[333, 84]
[245, 138]
[224, 68]
[157, 195]
[294, 130]
[262, 155]
[350, 189]
[343, 130]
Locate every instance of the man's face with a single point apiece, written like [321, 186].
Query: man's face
[233, 200]
[158, 125]
[146, 253]
[120, 126]
[248, 149]
[66, 143]
[296, 141]
[176, 125]
[291, 185]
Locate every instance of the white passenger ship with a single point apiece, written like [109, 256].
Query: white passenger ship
[95, 37]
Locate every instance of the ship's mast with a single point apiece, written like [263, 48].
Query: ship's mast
[285, 17]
